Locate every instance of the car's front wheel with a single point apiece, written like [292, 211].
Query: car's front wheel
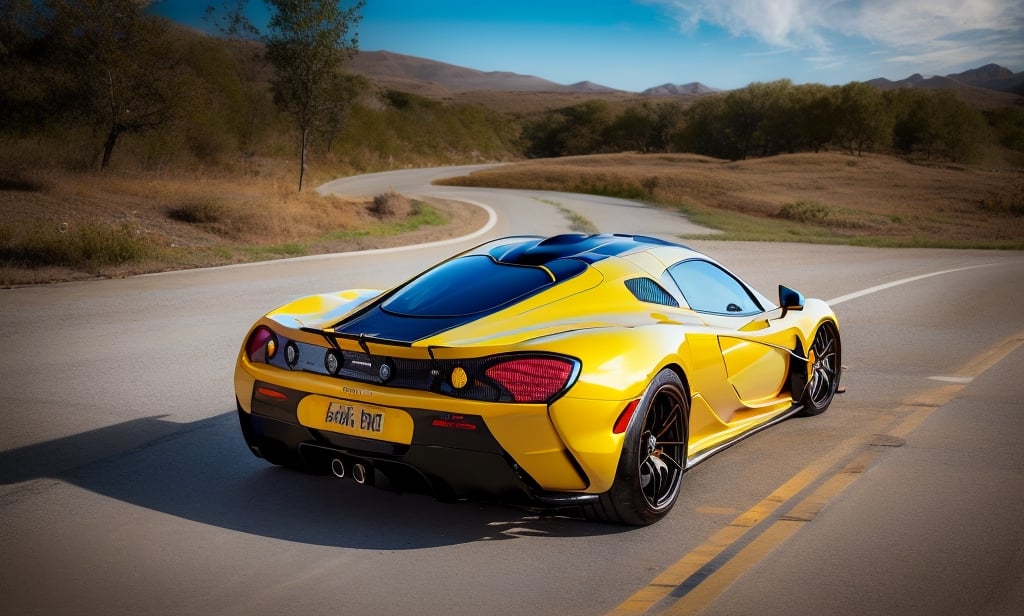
[823, 370]
[653, 457]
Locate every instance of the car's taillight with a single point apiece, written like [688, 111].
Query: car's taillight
[262, 344]
[532, 379]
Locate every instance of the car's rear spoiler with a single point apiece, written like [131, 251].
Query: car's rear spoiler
[372, 345]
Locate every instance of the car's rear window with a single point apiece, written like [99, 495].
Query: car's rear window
[471, 285]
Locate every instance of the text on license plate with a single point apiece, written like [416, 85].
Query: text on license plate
[354, 417]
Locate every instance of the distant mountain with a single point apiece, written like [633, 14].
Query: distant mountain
[992, 77]
[988, 77]
[988, 86]
[590, 86]
[670, 89]
[917, 80]
[433, 78]
[409, 72]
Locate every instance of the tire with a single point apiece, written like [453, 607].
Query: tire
[653, 458]
[824, 364]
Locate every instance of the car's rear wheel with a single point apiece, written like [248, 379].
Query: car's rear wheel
[823, 369]
[653, 457]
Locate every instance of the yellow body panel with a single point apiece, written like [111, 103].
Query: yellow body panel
[736, 370]
[540, 451]
[524, 429]
[584, 425]
[756, 371]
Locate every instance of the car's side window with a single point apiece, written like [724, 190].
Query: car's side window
[708, 288]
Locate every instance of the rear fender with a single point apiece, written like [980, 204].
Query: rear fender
[618, 364]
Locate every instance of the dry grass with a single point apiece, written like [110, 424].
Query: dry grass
[61, 226]
[828, 197]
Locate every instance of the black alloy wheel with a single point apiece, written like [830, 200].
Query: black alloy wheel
[823, 370]
[653, 457]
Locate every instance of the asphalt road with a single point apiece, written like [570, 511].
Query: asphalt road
[125, 487]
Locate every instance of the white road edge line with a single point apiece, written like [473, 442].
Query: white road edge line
[896, 283]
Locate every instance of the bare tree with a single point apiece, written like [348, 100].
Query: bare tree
[119, 66]
[308, 42]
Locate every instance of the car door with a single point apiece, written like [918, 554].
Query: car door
[750, 350]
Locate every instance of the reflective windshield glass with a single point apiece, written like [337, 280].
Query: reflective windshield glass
[465, 286]
[708, 288]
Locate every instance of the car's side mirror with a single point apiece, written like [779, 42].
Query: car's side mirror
[790, 299]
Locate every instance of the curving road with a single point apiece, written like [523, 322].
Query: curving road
[125, 487]
[531, 212]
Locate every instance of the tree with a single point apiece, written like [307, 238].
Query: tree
[1008, 125]
[669, 119]
[344, 92]
[120, 73]
[250, 64]
[15, 16]
[633, 129]
[308, 42]
[745, 112]
[779, 130]
[862, 119]
[583, 128]
[20, 83]
[815, 106]
[705, 130]
[936, 124]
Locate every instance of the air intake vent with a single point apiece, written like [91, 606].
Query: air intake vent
[646, 290]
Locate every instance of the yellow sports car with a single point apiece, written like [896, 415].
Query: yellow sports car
[572, 371]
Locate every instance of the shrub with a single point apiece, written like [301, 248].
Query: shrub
[198, 211]
[19, 182]
[812, 212]
[391, 205]
[85, 244]
[805, 211]
[1007, 202]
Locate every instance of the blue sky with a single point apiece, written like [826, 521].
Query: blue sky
[636, 44]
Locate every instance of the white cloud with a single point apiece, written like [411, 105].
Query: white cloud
[921, 22]
[837, 39]
[908, 27]
[780, 23]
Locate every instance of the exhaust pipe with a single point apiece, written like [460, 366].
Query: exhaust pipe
[338, 468]
[359, 474]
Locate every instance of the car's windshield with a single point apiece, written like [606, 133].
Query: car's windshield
[469, 285]
[709, 288]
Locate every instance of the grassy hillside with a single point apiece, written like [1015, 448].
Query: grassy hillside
[63, 226]
[874, 200]
[204, 166]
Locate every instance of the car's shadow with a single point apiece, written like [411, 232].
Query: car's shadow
[203, 472]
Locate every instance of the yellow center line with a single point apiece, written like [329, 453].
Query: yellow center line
[776, 534]
[991, 357]
[669, 579]
[911, 414]
[705, 593]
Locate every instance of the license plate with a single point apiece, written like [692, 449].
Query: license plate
[355, 417]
